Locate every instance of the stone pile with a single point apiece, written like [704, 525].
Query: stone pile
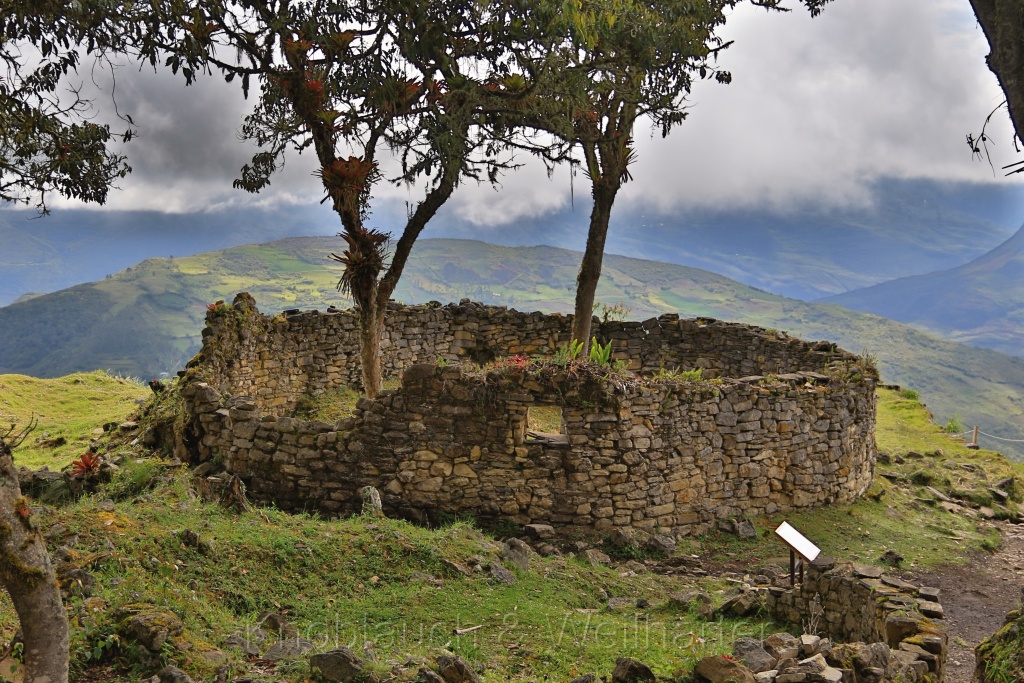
[858, 604]
[784, 658]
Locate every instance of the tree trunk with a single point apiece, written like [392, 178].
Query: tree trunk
[28, 577]
[371, 331]
[590, 268]
[1003, 24]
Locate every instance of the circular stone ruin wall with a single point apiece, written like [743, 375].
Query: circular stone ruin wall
[787, 425]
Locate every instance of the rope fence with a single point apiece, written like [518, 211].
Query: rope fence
[1000, 438]
[974, 433]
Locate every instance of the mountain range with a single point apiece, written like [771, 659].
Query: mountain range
[905, 228]
[147, 319]
[979, 303]
[908, 227]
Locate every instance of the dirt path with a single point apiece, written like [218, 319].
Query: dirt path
[976, 599]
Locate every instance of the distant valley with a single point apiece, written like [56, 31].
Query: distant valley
[979, 303]
[806, 252]
[147, 318]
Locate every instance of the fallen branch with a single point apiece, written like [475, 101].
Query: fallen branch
[464, 631]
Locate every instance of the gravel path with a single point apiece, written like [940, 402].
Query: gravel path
[976, 598]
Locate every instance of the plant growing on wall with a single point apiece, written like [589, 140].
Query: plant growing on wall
[602, 355]
[568, 352]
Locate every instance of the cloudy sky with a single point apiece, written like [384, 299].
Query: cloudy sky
[817, 110]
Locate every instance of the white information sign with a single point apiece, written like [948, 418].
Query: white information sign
[798, 542]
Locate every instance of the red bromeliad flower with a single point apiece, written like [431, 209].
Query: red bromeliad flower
[517, 361]
[87, 465]
[22, 509]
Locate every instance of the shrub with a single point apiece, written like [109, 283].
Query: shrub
[910, 394]
[134, 478]
[954, 425]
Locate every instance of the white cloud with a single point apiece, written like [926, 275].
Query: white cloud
[818, 108]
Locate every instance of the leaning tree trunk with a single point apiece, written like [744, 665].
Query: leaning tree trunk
[1003, 24]
[371, 331]
[28, 577]
[593, 257]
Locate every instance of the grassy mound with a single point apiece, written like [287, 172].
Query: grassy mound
[363, 582]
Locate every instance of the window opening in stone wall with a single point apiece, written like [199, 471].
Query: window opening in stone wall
[544, 423]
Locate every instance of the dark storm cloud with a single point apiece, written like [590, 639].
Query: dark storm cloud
[188, 149]
[183, 132]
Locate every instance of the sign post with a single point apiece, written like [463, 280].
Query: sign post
[798, 545]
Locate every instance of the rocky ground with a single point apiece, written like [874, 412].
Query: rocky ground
[976, 598]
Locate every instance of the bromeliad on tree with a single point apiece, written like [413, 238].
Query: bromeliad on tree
[348, 182]
[364, 259]
[350, 82]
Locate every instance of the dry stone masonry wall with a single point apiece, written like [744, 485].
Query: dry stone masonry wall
[901, 623]
[277, 361]
[664, 456]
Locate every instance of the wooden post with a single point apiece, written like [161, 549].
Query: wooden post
[974, 439]
[792, 568]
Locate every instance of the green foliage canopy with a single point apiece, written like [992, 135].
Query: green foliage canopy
[47, 143]
[615, 61]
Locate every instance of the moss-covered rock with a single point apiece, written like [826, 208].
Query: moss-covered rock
[1000, 657]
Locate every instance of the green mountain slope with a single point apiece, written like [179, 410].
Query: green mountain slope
[979, 303]
[147, 319]
[804, 251]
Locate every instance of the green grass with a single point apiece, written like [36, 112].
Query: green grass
[336, 404]
[383, 581]
[547, 419]
[367, 579]
[905, 426]
[68, 408]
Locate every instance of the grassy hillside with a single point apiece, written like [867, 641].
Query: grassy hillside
[908, 227]
[390, 586]
[68, 410]
[71, 246]
[147, 319]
